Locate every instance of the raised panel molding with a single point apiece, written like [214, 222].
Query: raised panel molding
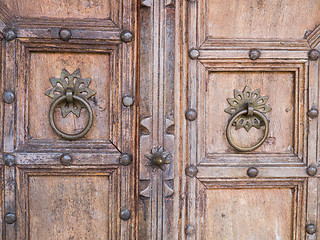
[27, 142]
[225, 203]
[297, 153]
[54, 209]
[156, 188]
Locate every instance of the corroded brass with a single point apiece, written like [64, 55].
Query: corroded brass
[10, 218]
[190, 230]
[125, 159]
[247, 110]
[8, 97]
[194, 53]
[126, 36]
[70, 93]
[254, 54]
[125, 214]
[157, 158]
[66, 159]
[191, 114]
[127, 101]
[9, 159]
[313, 55]
[313, 113]
[252, 172]
[65, 34]
[9, 34]
[191, 171]
[312, 170]
[311, 228]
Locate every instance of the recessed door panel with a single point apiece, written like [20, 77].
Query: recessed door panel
[260, 19]
[249, 214]
[90, 65]
[69, 207]
[62, 9]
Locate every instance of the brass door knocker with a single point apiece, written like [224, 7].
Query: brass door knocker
[247, 110]
[70, 92]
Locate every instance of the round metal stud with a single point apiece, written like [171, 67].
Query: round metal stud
[66, 159]
[252, 172]
[9, 34]
[254, 54]
[127, 101]
[191, 171]
[312, 170]
[313, 55]
[8, 97]
[190, 230]
[125, 159]
[10, 218]
[191, 114]
[9, 159]
[313, 113]
[311, 228]
[125, 214]
[158, 158]
[126, 36]
[194, 53]
[65, 34]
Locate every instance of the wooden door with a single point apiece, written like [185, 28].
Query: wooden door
[201, 57]
[270, 192]
[68, 187]
[137, 119]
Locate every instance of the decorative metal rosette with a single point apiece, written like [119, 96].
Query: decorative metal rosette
[158, 158]
[244, 100]
[74, 83]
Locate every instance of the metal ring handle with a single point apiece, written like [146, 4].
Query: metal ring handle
[247, 149]
[55, 103]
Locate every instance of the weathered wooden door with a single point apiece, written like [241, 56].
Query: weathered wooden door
[67, 66]
[159, 119]
[243, 161]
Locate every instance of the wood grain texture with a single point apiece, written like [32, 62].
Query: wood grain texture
[9, 73]
[279, 19]
[80, 202]
[83, 201]
[279, 86]
[224, 32]
[94, 66]
[73, 207]
[79, 9]
[249, 214]
[156, 117]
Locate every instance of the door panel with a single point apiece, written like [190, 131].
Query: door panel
[259, 18]
[260, 209]
[93, 65]
[240, 209]
[62, 9]
[274, 84]
[80, 203]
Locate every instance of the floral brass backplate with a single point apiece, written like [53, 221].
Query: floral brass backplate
[78, 86]
[243, 100]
